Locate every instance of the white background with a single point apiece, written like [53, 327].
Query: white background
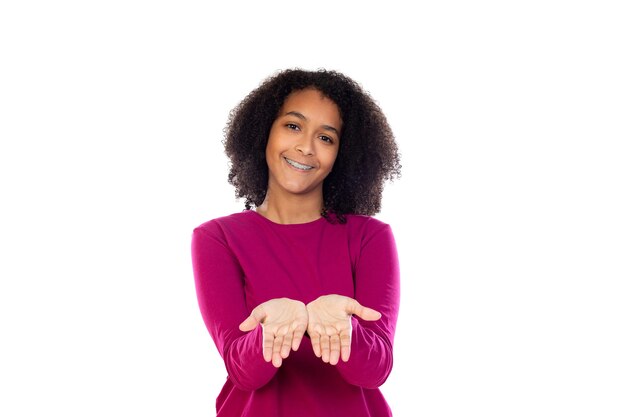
[509, 217]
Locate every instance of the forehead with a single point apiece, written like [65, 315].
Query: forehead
[312, 104]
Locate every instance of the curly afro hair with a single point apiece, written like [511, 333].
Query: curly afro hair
[368, 154]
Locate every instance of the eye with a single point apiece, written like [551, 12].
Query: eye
[292, 126]
[327, 139]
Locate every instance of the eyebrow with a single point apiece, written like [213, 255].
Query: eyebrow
[302, 117]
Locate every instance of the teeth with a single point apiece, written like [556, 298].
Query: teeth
[298, 165]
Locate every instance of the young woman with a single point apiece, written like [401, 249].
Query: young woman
[301, 293]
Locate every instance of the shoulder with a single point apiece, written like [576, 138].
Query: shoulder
[365, 223]
[369, 238]
[366, 227]
[220, 227]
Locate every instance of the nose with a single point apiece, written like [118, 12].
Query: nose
[306, 145]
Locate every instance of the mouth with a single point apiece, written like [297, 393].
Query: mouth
[298, 165]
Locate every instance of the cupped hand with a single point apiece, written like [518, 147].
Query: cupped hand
[284, 322]
[330, 325]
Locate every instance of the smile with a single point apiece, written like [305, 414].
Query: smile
[298, 165]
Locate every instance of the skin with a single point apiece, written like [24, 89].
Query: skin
[284, 322]
[306, 132]
[330, 325]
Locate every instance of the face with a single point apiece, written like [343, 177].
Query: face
[303, 143]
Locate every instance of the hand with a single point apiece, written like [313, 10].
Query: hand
[330, 325]
[284, 323]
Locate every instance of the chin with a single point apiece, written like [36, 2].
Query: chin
[299, 189]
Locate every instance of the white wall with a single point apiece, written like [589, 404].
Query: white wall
[509, 216]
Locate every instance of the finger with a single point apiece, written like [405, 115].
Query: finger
[366, 313]
[286, 347]
[278, 344]
[277, 359]
[248, 324]
[325, 346]
[297, 339]
[346, 341]
[256, 316]
[335, 349]
[268, 345]
[315, 343]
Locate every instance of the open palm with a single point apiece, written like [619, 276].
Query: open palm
[284, 322]
[330, 325]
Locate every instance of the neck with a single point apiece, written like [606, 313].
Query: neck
[291, 209]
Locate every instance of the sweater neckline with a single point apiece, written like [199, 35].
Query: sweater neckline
[287, 225]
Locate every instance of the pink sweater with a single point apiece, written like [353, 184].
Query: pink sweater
[244, 259]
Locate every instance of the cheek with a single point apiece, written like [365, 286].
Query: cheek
[332, 157]
[267, 154]
[271, 147]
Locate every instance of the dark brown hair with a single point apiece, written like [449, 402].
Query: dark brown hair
[368, 154]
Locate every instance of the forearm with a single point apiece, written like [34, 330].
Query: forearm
[377, 285]
[371, 357]
[244, 361]
[220, 292]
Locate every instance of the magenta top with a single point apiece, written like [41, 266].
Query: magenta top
[245, 259]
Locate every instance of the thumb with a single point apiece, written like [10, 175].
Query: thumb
[253, 320]
[248, 324]
[366, 313]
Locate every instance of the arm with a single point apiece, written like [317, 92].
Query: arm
[221, 297]
[377, 285]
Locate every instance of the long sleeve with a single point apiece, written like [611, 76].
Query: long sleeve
[377, 285]
[220, 290]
